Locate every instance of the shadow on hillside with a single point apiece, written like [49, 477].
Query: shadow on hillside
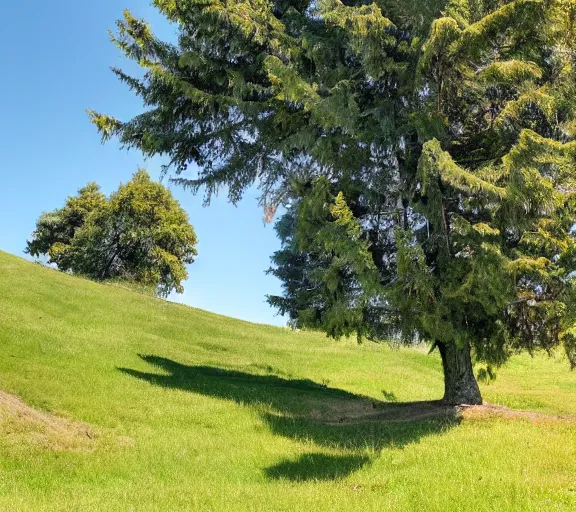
[304, 410]
[317, 466]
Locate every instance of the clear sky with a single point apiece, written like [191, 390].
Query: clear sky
[55, 64]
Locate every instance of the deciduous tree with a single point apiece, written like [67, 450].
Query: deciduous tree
[140, 233]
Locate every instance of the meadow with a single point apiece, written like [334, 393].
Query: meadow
[112, 400]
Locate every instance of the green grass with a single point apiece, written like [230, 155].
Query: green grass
[193, 411]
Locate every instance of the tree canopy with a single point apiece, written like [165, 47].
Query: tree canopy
[140, 233]
[425, 149]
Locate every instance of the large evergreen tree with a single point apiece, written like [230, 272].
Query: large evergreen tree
[426, 150]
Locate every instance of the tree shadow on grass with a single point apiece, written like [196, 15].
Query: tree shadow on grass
[291, 396]
[303, 410]
[317, 466]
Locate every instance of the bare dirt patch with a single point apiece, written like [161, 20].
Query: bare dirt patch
[21, 425]
[358, 411]
[487, 409]
[365, 411]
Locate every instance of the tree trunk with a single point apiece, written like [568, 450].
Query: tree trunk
[109, 264]
[460, 386]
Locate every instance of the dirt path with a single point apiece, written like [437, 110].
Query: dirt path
[365, 411]
[19, 422]
[500, 410]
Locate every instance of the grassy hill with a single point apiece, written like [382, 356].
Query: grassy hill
[131, 403]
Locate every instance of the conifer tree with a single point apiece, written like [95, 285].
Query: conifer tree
[427, 149]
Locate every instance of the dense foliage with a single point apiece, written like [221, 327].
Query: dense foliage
[140, 234]
[426, 150]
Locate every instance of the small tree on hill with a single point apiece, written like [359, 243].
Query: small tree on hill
[55, 230]
[140, 234]
[426, 148]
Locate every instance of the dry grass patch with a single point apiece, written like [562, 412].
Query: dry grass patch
[358, 411]
[488, 410]
[21, 424]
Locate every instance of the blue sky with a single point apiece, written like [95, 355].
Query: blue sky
[55, 64]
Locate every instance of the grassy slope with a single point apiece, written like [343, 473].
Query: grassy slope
[219, 414]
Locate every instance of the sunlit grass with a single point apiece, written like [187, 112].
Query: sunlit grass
[192, 411]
